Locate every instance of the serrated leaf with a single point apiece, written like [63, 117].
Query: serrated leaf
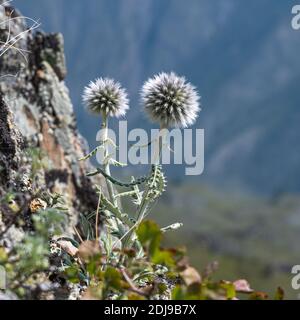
[116, 163]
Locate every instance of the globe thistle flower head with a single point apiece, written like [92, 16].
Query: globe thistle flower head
[107, 97]
[170, 100]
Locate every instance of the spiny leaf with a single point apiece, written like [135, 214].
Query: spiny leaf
[115, 181]
[157, 183]
[91, 154]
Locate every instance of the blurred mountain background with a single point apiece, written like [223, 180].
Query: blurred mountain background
[243, 56]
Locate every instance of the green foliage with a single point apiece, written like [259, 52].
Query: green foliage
[49, 222]
[279, 294]
[149, 234]
[32, 255]
[38, 160]
[128, 261]
[115, 254]
[27, 263]
[112, 279]
[115, 265]
[158, 274]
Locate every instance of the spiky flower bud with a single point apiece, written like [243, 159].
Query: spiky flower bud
[107, 97]
[170, 100]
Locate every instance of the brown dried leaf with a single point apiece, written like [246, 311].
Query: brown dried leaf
[190, 276]
[68, 247]
[242, 286]
[279, 294]
[258, 296]
[211, 268]
[37, 204]
[88, 249]
[91, 294]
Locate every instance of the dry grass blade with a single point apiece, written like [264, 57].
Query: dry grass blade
[10, 41]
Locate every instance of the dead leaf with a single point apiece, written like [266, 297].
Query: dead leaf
[258, 296]
[88, 249]
[68, 247]
[242, 286]
[190, 276]
[279, 294]
[211, 268]
[91, 294]
[40, 74]
[37, 204]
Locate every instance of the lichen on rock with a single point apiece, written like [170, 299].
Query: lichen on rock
[39, 141]
[36, 112]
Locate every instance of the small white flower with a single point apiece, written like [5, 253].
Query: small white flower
[106, 96]
[170, 100]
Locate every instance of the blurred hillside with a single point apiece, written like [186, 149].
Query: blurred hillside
[243, 57]
[250, 237]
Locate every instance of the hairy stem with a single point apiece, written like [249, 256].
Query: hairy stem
[106, 167]
[97, 215]
[110, 188]
[118, 182]
[142, 209]
[104, 128]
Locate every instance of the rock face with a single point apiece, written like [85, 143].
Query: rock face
[36, 116]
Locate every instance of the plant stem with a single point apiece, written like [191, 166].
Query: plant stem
[104, 128]
[97, 215]
[110, 188]
[144, 203]
[106, 167]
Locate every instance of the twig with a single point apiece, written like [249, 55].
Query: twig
[97, 213]
[78, 234]
[133, 288]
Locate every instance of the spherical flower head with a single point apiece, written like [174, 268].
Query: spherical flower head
[170, 100]
[105, 96]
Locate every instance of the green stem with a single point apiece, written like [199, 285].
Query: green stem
[106, 167]
[118, 182]
[144, 203]
[115, 210]
[110, 188]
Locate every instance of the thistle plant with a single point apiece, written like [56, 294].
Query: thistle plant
[106, 98]
[170, 101]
